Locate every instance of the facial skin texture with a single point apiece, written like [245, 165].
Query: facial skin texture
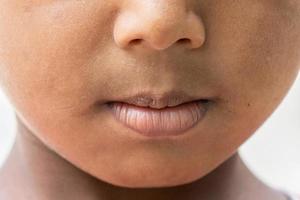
[59, 59]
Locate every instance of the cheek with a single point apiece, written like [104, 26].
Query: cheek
[257, 56]
[43, 74]
[270, 62]
[44, 66]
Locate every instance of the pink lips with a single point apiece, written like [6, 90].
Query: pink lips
[166, 121]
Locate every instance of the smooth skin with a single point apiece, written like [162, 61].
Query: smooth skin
[60, 60]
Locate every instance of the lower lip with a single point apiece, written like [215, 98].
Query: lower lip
[169, 121]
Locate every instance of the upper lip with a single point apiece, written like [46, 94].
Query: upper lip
[160, 100]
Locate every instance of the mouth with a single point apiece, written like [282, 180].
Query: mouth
[171, 114]
[149, 107]
[159, 101]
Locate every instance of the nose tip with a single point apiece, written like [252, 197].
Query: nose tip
[159, 30]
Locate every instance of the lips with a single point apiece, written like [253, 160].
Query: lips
[159, 101]
[159, 115]
[165, 122]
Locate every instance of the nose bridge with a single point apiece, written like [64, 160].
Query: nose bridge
[159, 23]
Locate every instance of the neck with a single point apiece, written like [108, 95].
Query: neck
[34, 171]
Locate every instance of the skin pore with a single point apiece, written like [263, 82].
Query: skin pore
[60, 61]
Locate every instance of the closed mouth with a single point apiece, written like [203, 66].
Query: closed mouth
[203, 101]
[158, 122]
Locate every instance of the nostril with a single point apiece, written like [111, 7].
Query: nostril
[136, 41]
[183, 40]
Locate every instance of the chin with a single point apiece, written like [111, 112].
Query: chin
[152, 182]
[156, 179]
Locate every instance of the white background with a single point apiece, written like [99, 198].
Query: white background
[272, 153]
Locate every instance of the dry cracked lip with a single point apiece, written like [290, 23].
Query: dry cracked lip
[167, 121]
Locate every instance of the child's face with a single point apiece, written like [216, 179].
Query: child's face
[59, 59]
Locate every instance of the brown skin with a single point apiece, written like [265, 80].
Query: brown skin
[59, 59]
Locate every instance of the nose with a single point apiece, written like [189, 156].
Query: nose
[159, 24]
